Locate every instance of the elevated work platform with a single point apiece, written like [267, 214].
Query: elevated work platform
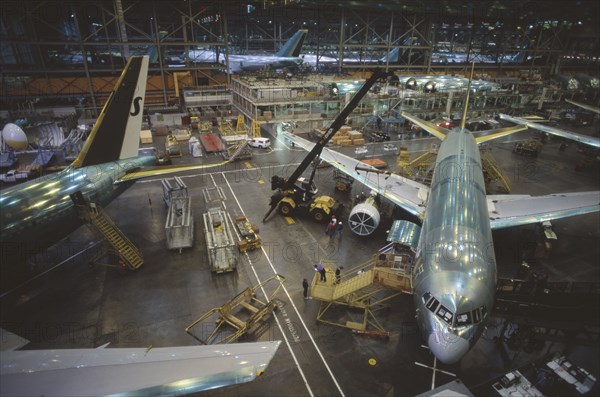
[365, 288]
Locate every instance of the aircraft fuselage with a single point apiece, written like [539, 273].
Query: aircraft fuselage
[257, 62]
[40, 212]
[455, 270]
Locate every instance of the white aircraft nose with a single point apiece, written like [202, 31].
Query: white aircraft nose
[448, 348]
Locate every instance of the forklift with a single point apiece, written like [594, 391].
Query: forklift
[297, 195]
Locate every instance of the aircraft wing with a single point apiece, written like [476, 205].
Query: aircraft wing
[588, 140]
[159, 171]
[433, 129]
[515, 210]
[138, 371]
[410, 195]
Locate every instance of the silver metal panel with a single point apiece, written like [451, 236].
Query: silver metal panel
[588, 140]
[401, 191]
[405, 233]
[509, 210]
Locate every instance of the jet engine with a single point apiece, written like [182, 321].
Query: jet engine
[364, 217]
[14, 137]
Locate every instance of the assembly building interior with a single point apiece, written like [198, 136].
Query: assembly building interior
[300, 198]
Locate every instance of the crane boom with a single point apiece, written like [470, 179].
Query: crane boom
[281, 184]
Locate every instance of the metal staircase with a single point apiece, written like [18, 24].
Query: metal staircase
[128, 253]
[493, 172]
[420, 168]
[365, 288]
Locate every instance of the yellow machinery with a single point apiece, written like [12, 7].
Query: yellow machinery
[531, 147]
[129, 255]
[421, 167]
[256, 129]
[492, 172]
[363, 289]
[237, 316]
[249, 233]
[226, 128]
[240, 126]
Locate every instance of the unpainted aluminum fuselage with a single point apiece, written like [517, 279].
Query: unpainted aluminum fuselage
[455, 257]
[40, 212]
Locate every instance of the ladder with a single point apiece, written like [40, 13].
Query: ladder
[127, 251]
[493, 172]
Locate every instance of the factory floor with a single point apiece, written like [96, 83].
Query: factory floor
[79, 305]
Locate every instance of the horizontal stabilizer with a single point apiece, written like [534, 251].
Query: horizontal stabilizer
[485, 136]
[438, 132]
[160, 171]
[584, 106]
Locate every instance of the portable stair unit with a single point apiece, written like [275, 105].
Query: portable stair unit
[221, 245]
[179, 227]
[128, 253]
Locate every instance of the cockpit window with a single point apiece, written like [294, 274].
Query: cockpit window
[445, 314]
[472, 317]
[430, 302]
[426, 297]
[463, 319]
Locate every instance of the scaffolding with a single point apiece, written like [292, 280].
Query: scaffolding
[237, 316]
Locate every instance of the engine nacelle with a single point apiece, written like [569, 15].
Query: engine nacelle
[364, 217]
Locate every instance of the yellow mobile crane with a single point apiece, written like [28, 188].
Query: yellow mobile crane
[296, 195]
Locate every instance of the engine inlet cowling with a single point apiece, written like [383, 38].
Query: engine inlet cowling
[364, 218]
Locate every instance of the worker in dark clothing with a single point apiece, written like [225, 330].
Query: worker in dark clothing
[337, 275]
[339, 229]
[331, 229]
[322, 272]
[305, 286]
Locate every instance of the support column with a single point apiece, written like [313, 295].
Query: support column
[449, 103]
[122, 29]
[342, 37]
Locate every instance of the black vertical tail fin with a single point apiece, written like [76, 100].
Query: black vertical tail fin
[116, 134]
[293, 46]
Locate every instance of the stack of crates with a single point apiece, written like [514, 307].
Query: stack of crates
[356, 137]
[342, 138]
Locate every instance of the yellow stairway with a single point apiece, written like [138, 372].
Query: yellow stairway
[126, 250]
[493, 172]
[353, 284]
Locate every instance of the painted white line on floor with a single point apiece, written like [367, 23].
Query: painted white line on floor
[290, 299]
[287, 342]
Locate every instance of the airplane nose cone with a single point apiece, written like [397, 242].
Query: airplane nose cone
[448, 348]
